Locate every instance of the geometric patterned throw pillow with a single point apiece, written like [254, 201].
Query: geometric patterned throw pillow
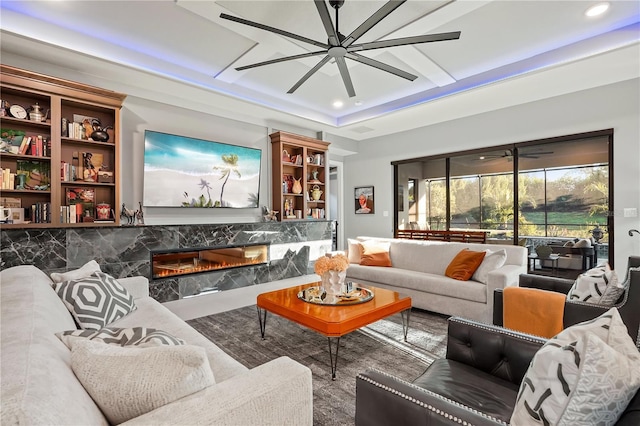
[136, 336]
[95, 301]
[598, 286]
[587, 374]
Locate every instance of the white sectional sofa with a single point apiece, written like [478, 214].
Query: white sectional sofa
[40, 387]
[418, 270]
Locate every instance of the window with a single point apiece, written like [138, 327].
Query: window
[563, 190]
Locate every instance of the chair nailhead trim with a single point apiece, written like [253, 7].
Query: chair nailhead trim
[424, 404]
[498, 329]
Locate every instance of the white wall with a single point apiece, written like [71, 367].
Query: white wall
[139, 115]
[614, 106]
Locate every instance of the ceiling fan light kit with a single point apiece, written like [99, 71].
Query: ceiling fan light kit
[339, 47]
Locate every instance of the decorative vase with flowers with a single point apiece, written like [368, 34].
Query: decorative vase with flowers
[333, 271]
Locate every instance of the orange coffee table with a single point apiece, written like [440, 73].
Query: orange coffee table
[333, 321]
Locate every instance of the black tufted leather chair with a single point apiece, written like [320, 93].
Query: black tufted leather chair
[476, 383]
[575, 312]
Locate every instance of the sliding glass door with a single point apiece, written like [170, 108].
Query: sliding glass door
[548, 191]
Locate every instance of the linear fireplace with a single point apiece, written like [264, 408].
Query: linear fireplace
[181, 262]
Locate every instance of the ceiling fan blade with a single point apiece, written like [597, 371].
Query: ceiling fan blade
[327, 22]
[346, 77]
[534, 154]
[309, 74]
[274, 30]
[404, 41]
[373, 20]
[286, 58]
[380, 65]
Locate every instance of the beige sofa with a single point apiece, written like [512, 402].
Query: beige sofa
[39, 386]
[419, 271]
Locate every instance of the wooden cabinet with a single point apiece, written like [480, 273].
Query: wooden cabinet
[61, 162]
[300, 173]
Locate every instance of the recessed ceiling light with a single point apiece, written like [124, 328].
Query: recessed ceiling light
[597, 9]
[358, 103]
[338, 104]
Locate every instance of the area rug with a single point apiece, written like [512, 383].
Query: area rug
[380, 345]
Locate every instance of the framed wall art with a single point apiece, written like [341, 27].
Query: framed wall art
[364, 201]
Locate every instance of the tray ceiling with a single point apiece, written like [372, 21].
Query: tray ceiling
[187, 41]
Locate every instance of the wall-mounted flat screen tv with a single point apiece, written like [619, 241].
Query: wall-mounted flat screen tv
[180, 171]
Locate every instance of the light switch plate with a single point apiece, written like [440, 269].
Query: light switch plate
[630, 212]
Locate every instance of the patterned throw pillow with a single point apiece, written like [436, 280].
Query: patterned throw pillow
[95, 301]
[127, 382]
[587, 374]
[136, 336]
[598, 286]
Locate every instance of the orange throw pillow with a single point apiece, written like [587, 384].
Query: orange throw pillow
[464, 264]
[374, 255]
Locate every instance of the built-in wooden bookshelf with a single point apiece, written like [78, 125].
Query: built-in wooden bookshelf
[300, 173]
[55, 164]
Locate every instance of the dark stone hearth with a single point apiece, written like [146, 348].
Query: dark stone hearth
[124, 251]
[44, 248]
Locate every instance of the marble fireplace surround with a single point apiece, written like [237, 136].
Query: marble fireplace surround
[124, 251]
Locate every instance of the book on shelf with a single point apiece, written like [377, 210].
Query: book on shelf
[7, 179]
[76, 130]
[24, 146]
[67, 172]
[41, 212]
[81, 202]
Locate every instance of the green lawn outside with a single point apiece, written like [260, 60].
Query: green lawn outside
[565, 218]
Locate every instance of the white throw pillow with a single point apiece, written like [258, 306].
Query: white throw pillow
[135, 336]
[599, 285]
[587, 374]
[95, 301]
[492, 261]
[127, 382]
[354, 251]
[85, 271]
[583, 243]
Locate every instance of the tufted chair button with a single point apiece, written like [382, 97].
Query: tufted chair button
[468, 344]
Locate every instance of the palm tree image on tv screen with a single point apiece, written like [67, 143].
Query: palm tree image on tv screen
[180, 171]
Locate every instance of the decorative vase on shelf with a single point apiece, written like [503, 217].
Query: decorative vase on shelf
[297, 186]
[333, 281]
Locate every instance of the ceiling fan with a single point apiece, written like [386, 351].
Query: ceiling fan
[339, 47]
[508, 154]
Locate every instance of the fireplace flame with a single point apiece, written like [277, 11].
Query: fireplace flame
[169, 265]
